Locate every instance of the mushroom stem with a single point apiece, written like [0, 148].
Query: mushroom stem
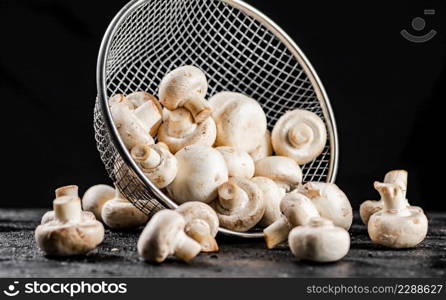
[186, 247]
[199, 109]
[67, 209]
[277, 232]
[231, 196]
[180, 123]
[392, 195]
[398, 177]
[300, 135]
[68, 190]
[200, 231]
[147, 157]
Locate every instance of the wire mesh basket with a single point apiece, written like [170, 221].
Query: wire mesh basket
[238, 48]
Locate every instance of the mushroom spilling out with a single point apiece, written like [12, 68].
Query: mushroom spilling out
[239, 163]
[186, 87]
[179, 130]
[397, 225]
[299, 134]
[272, 195]
[284, 171]
[319, 240]
[156, 162]
[164, 235]
[369, 207]
[70, 232]
[95, 197]
[264, 149]
[241, 121]
[201, 224]
[239, 205]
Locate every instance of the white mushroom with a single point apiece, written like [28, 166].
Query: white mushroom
[156, 162]
[239, 163]
[119, 213]
[69, 233]
[319, 240]
[201, 224]
[95, 197]
[264, 149]
[186, 87]
[299, 134]
[239, 205]
[241, 121]
[201, 170]
[272, 195]
[297, 210]
[179, 130]
[369, 207]
[330, 201]
[164, 235]
[396, 225]
[284, 171]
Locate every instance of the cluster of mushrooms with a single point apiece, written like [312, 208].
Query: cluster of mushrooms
[215, 160]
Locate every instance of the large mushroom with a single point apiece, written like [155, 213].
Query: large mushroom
[179, 130]
[272, 195]
[95, 197]
[239, 163]
[201, 170]
[186, 87]
[299, 134]
[284, 171]
[264, 149]
[241, 121]
[239, 205]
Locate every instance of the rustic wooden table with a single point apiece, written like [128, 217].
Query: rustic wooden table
[117, 257]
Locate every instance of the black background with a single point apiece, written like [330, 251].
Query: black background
[385, 92]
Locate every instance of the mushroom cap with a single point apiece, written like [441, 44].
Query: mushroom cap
[272, 196]
[239, 163]
[319, 241]
[203, 133]
[330, 201]
[198, 210]
[283, 170]
[164, 173]
[299, 134]
[399, 229]
[368, 208]
[264, 149]
[95, 197]
[119, 213]
[201, 170]
[298, 209]
[240, 120]
[148, 109]
[248, 213]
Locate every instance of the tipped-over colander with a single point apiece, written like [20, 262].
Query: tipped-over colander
[238, 48]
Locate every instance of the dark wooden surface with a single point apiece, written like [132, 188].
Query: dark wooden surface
[117, 257]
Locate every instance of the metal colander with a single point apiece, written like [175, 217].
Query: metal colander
[238, 48]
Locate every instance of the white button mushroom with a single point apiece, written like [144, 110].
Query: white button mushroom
[148, 109]
[201, 224]
[156, 162]
[186, 87]
[201, 170]
[319, 240]
[239, 205]
[272, 195]
[241, 121]
[164, 235]
[297, 210]
[396, 225]
[370, 207]
[95, 197]
[70, 232]
[330, 201]
[239, 163]
[264, 149]
[179, 130]
[284, 171]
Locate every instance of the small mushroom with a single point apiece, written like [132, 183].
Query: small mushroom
[147, 108]
[239, 205]
[69, 233]
[370, 207]
[186, 87]
[272, 195]
[95, 197]
[330, 201]
[156, 162]
[297, 210]
[284, 171]
[264, 149]
[179, 130]
[239, 163]
[201, 224]
[119, 213]
[319, 241]
[241, 121]
[299, 134]
[201, 170]
[396, 225]
[164, 235]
